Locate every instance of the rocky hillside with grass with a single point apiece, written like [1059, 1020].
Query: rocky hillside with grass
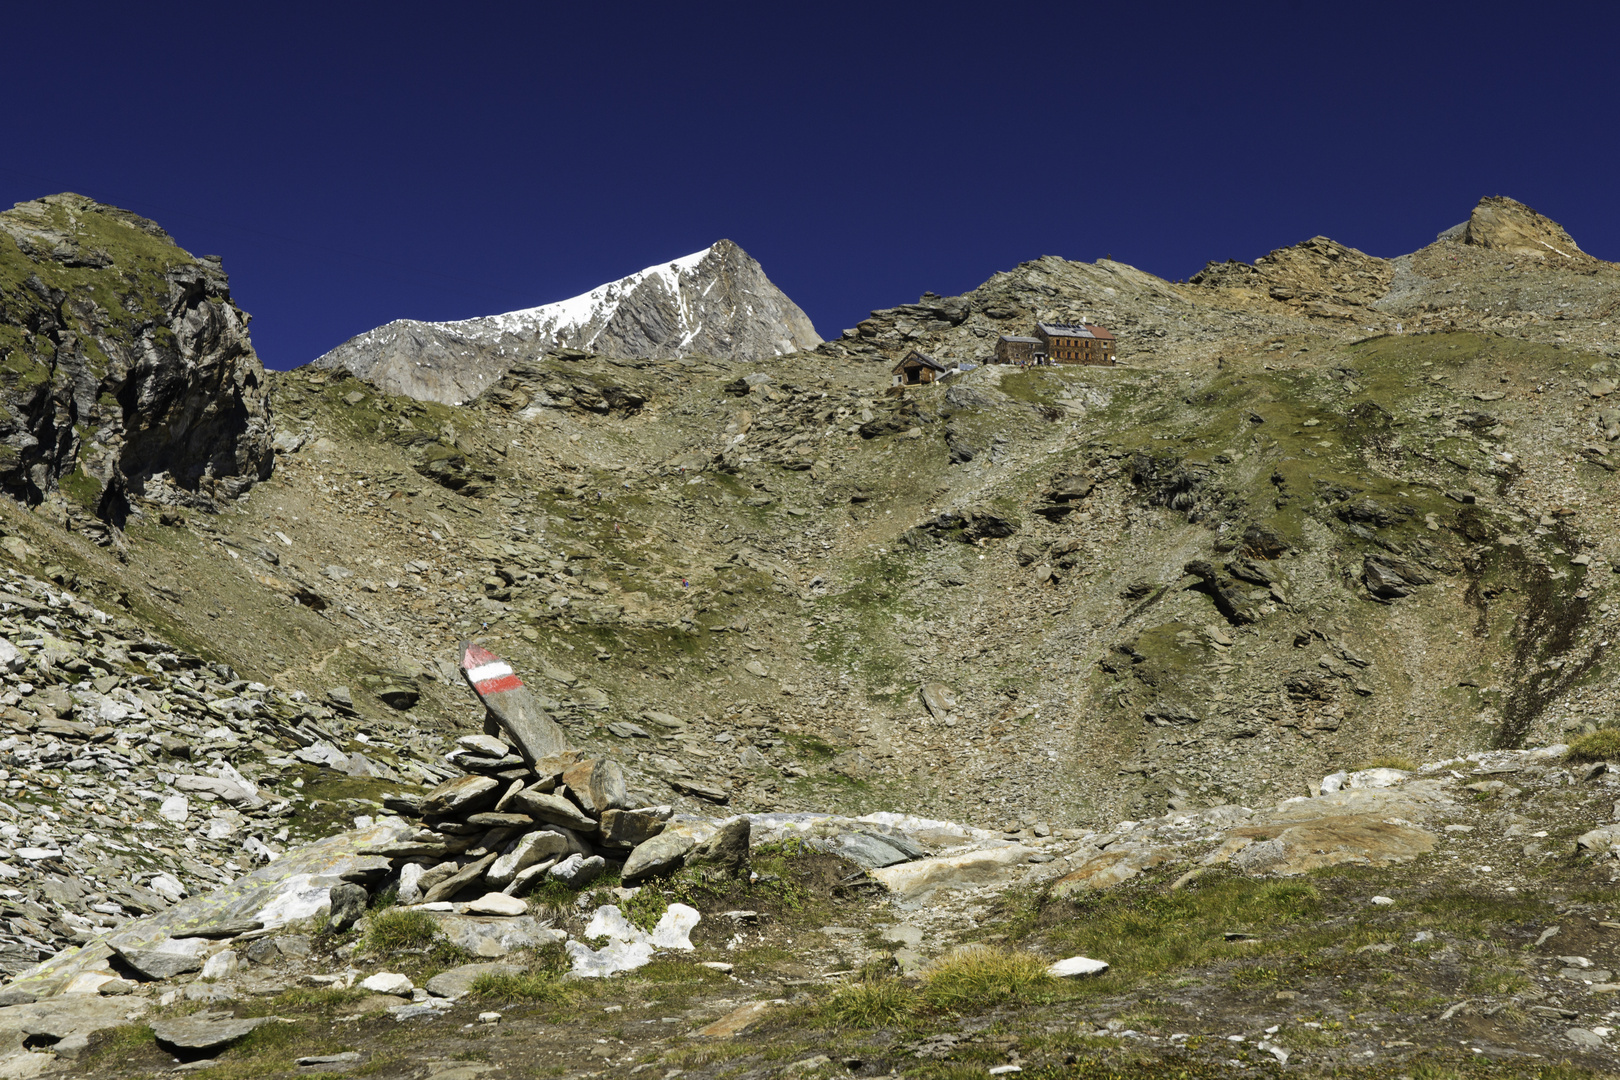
[126, 372]
[1271, 668]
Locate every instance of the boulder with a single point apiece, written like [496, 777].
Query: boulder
[578, 871]
[598, 784]
[629, 828]
[554, 809]
[914, 882]
[726, 850]
[1119, 863]
[348, 905]
[496, 936]
[462, 795]
[203, 1034]
[459, 880]
[662, 854]
[497, 904]
[165, 958]
[532, 848]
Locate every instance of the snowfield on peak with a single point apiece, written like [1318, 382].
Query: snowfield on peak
[714, 302]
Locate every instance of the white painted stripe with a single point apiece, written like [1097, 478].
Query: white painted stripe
[490, 671]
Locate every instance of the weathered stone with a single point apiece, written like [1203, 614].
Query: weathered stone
[531, 849]
[577, 871]
[598, 784]
[726, 850]
[166, 958]
[1076, 966]
[462, 795]
[348, 905]
[912, 882]
[496, 936]
[938, 699]
[202, 1034]
[1119, 863]
[388, 982]
[662, 854]
[446, 889]
[497, 904]
[530, 730]
[736, 1021]
[629, 828]
[553, 808]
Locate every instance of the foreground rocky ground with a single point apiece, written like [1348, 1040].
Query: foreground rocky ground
[1458, 921]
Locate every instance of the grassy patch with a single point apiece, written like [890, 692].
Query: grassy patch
[1600, 745]
[870, 1003]
[394, 929]
[979, 978]
[533, 986]
[1388, 761]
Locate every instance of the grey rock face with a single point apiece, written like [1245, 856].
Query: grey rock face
[159, 395]
[716, 302]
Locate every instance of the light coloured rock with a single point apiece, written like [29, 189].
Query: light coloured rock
[496, 904]
[531, 848]
[221, 965]
[913, 882]
[618, 955]
[388, 982]
[176, 808]
[577, 871]
[1120, 862]
[410, 875]
[167, 957]
[938, 699]
[736, 1021]
[1075, 966]
[674, 926]
[495, 936]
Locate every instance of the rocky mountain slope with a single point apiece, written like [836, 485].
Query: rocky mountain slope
[714, 302]
[125, 369]
[1093, 629]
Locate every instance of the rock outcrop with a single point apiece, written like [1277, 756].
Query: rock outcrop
[716, 302]
[125, 368]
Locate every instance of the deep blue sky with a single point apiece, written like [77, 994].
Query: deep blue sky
[357, 163]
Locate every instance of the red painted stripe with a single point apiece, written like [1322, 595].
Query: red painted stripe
[495, 686]
[477, 657]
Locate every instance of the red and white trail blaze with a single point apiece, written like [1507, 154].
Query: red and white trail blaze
[519, 717]
[488, 673]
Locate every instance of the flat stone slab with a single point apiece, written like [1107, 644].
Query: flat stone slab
[203, 1034]
[1109, 868]
[736, 1021]
[913, 882]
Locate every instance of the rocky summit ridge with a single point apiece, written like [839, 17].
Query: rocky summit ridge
[715, 302]
[1247, 707]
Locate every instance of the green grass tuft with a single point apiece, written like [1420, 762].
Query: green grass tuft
[978, 978]
[1388, 761]
[1600, 745]
[870, 1003]
[394, 929]
[543, 987]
